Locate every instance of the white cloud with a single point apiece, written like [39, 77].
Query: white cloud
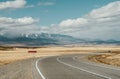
[100, 23]
[30, 6]
[26, 20]
[16, 26]
[45, 3]
[74, 22]
[6, 21]
[112, 9]
[109, 12]
[12, 4]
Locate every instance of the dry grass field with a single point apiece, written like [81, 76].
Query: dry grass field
[110, 58]
[8, 55]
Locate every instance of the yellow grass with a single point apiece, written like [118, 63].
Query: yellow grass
[8, 56]
[110, 58]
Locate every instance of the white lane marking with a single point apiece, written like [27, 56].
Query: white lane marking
[82, 69]
[103, 66]
[40, 73]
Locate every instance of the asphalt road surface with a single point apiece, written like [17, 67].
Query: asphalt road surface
[69, 67]
[58, 67]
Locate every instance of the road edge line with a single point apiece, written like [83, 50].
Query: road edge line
[74, 58]
[82, 69]
[40, 73]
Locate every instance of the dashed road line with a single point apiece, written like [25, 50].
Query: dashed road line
[82, 69]
[74, 58]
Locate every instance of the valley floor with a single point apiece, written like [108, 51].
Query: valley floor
[16, 54]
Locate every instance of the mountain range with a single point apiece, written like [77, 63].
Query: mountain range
[50, 39]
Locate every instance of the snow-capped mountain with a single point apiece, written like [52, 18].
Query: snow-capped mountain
[39, 39]
[50, 39]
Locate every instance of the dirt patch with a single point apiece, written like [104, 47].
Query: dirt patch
[110, 59]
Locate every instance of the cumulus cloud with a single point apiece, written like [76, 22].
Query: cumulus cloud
[112, 9]
[74, 22]
[30, 6]
[46, 3]
[109, 13]
[12, 4]
[6, 21]
[100, 23]
[12, 27]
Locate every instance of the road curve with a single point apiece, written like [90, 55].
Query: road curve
[68, 67]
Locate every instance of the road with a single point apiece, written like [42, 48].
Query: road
[58, 67]
[69, 67]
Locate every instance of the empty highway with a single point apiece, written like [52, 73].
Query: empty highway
[58, 67]
[69, 67]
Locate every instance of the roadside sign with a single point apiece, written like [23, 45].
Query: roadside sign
[32, 51]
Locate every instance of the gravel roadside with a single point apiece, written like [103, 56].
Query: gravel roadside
[17, 70]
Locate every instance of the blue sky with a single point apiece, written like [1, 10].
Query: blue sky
[58, 11]
[90, 19]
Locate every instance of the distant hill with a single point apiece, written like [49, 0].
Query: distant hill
[50, 39]
[40, 39]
